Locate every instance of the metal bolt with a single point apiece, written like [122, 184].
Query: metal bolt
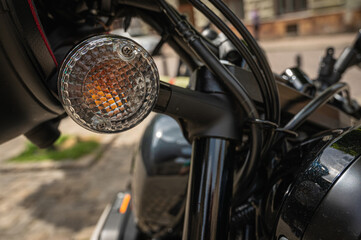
[127, 50]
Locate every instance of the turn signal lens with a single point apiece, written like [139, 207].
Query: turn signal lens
[108, 83]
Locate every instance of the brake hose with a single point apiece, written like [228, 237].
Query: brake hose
[222, 7]
[265, 90]
[213, 63]
[311, 107]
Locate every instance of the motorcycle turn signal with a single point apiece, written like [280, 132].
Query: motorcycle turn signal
[108, 83]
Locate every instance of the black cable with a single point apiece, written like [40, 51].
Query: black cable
[213, 64]
[265, 90]
[269, 78]
[153, 20]
[312, 106]
[257, 52]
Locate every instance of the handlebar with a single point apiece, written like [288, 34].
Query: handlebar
[348, 58]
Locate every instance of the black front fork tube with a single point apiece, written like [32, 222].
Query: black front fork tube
[209, 195]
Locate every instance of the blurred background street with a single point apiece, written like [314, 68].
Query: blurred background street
[66, 203]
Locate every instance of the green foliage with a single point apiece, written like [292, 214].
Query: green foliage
[58, 152]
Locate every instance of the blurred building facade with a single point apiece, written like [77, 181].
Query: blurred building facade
[290, 17]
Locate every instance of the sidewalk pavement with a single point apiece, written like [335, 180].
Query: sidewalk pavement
[66, 204]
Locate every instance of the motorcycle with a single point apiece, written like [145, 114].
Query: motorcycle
[241, 153]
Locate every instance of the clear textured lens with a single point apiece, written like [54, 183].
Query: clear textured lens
[108, 83]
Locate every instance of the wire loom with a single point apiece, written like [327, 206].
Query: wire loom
[275, 126]
[212, 62]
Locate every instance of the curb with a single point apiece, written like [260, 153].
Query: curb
[81, 163]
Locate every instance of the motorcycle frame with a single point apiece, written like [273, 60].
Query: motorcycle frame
[215, 182]
[211, 185]
[214, 136]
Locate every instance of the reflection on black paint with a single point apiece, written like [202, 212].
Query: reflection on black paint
[350, 145]
[314, 181]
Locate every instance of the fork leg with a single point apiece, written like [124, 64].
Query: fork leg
[209, 195]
